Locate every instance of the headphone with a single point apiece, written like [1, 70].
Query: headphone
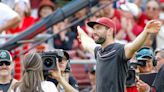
[68, 66]
[154, 61]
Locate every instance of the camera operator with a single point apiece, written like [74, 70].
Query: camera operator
[6, 67]
[146, 60]
[146, 63]
[64, 80]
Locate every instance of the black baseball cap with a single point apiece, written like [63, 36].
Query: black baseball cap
[66, 55]
[5, 56]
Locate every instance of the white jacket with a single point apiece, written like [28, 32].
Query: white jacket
[47, 86]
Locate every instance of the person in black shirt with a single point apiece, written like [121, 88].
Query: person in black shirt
[159, 80]
[111, 69]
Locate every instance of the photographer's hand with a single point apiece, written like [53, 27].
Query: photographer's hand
[56, 73]
[142, 86]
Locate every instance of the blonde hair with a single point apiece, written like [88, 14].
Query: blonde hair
[32, 75]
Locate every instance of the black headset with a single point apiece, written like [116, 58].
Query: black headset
[153, 56]
[68, 66]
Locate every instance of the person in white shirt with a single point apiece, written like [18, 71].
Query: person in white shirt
[32, 76]
[9, 18]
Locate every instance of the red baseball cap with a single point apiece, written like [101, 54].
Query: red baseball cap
[103, 21]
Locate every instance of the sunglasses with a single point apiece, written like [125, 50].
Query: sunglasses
[153, 8]
[4, 62]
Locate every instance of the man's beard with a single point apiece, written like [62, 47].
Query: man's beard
[101, 40]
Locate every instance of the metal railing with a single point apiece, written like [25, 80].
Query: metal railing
[86, 61]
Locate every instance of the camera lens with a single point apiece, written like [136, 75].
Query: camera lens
[48, 62]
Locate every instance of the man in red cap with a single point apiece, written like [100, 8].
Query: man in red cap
[111, 68]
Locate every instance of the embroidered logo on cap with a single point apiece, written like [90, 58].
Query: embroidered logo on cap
[3, 54]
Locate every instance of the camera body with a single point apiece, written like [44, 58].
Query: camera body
[130, 80]
[49, 59]
[141, 63]
[131, 74]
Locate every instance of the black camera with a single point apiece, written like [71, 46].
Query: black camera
[141, 63]
[49, 59]
[130, 80]
[131, 75]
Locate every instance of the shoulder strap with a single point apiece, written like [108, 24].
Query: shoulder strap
[12, 83]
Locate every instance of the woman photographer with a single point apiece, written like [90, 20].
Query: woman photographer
[32, 78]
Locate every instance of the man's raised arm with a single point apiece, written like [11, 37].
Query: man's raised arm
[152, 27]
[87, 42]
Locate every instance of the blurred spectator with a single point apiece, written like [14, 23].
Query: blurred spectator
[6, 71]
[9, 18]
[92, 77]
[8, 2]
[159, 81]
[112, 13]
[98, 14]
[33, 80]
[77, 16]
[140, 3]
[62, 77]
[77, 51]
[63, 40]
[160, 37]
[46, 7]
[129, 14]
[159, 57]
[22, 7]
[151, 12]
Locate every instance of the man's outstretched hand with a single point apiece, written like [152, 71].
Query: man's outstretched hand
[153, 26]
[87, 42]
[81, 33]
